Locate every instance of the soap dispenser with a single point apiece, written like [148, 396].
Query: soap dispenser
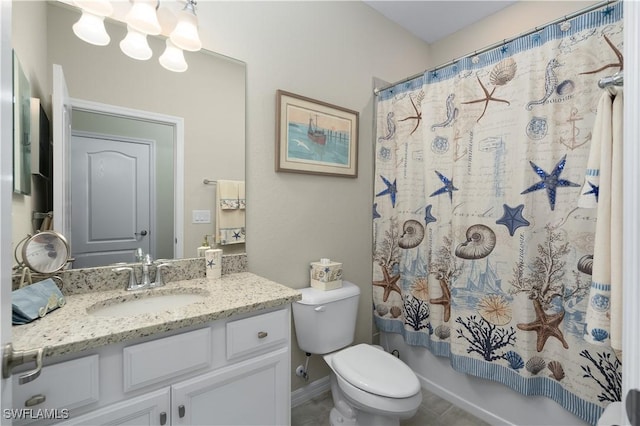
[204, 247]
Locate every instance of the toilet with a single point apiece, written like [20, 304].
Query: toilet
[369, 386]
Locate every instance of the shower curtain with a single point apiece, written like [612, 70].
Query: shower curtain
[480, 251]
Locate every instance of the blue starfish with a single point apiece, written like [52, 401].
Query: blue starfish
[375, 211]
[550, 181]
[595, 190]
[448, 186]
[391, 190]
[428, 217]
[210, 263]
[512, 218]
[236, 235]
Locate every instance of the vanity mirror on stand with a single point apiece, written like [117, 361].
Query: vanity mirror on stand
[44, 254]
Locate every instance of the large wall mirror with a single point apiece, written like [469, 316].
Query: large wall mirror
[209, 98]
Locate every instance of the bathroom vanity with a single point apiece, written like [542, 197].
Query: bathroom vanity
[223, 359]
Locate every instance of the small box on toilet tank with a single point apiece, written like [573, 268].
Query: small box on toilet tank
[326, 275]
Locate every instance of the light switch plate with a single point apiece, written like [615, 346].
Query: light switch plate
[201, 216]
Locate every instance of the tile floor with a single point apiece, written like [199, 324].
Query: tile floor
[434, 411]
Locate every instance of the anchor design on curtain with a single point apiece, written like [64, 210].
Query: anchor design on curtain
[480, 252]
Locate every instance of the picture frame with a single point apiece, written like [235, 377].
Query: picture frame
[315, 137]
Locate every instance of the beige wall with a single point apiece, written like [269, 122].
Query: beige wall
[329, 51]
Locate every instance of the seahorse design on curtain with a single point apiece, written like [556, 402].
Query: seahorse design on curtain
[480, 254]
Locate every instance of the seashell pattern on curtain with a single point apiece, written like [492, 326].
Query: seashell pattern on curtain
[480, 253]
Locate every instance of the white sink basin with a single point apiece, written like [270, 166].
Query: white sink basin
[147, 304]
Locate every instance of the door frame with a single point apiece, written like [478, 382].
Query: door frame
[152, 179]
[178, 151]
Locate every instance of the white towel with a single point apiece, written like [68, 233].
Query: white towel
[606, 285]
[230, 217]
[616, 222]
[227, 193]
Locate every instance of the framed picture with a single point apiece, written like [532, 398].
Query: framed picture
[315, 137]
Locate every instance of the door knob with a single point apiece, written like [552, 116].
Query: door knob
[143, 233]
[12, 358]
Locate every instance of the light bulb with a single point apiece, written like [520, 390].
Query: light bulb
[173, 58]
[135, 45]
[185, 34]
[90, 28]
[142, 17]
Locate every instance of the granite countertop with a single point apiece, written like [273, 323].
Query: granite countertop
[73, 329]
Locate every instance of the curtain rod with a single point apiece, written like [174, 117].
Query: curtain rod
[588, 9]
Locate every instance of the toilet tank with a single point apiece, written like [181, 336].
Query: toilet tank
[325, 321]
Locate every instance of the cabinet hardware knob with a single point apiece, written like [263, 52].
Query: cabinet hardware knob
[35, 400]
[262, 334]
[163, 418]
[181, 411]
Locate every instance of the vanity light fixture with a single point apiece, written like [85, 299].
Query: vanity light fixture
[142, 20]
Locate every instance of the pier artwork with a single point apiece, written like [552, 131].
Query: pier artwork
[315, 137]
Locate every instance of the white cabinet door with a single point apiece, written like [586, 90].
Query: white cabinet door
[149, 409]
[253, 392]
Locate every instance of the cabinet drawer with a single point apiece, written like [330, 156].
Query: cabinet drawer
[152, 408]
[162, 359]
[66, 385]
[257, 333]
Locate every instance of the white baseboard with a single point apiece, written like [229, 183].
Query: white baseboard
[469, 407]
[310, 391]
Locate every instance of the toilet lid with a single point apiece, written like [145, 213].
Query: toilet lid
[375, 371]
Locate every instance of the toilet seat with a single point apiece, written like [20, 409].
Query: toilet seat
[375, 371]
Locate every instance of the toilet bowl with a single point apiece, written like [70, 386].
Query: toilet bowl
[371, 387]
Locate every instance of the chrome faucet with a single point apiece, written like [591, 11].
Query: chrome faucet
[145, 281]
